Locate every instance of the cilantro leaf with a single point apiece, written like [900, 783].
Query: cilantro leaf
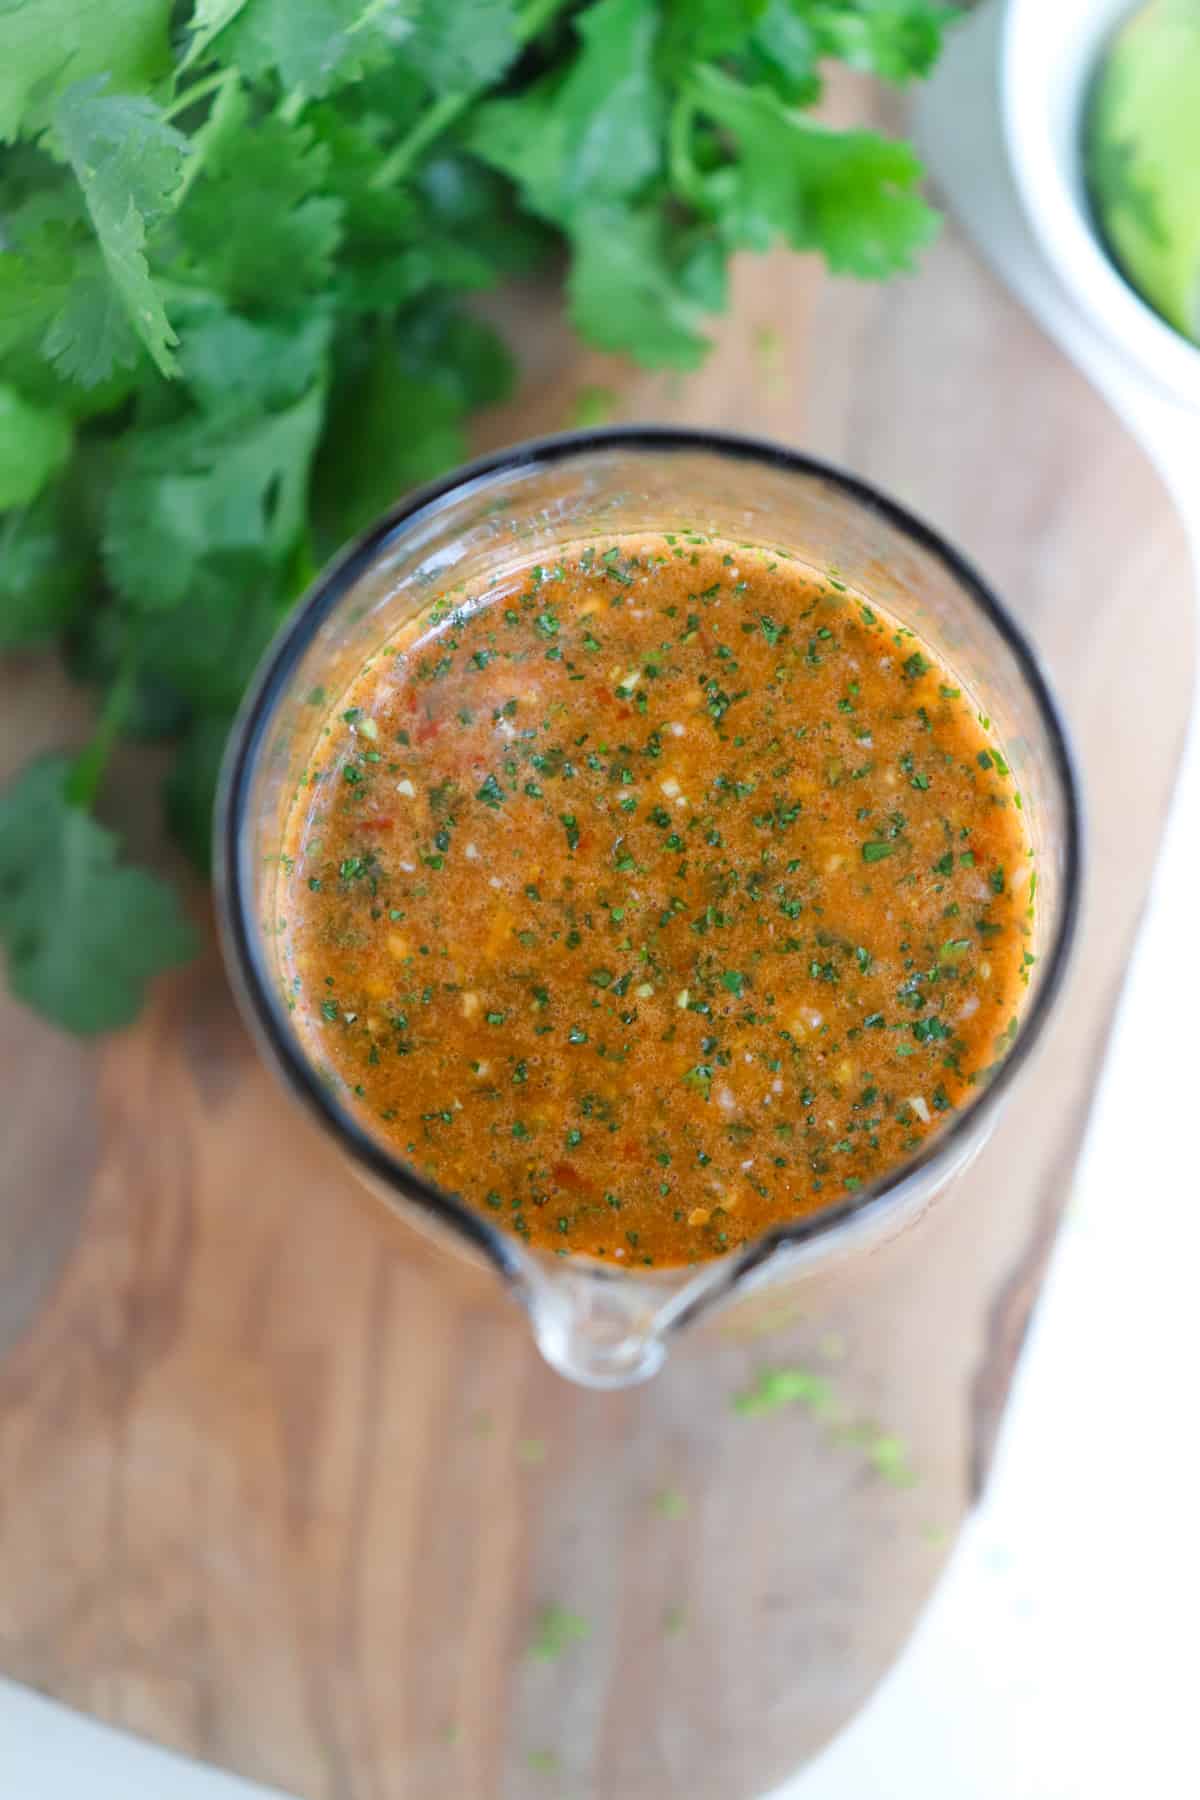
[897, 39]
[205, 649]
[209, 19]
[34, 443]
[91, 335]
[625, 293]
[463, 201]
[35, 274]
[453, 226]
[41, 573]
[96, 649]
[695, 30]
[64, 329]
[471, 362]
[128, 161]
[846, 193]
[783, 53]
[83, 933]
[433, 370]
[591, 134]
[189, 793]
[888, 1456]
[257, 215]
[193, 490]
[460, 45]
[237, 366]
[123, 152]
[51, 43]
[775, 1389]
[313, 45]
[555, 1630]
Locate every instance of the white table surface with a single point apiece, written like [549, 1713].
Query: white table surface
[1056, 1660]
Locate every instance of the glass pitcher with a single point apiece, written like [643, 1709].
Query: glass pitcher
[598, 1325]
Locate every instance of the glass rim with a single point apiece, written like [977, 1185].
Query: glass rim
[232, 851]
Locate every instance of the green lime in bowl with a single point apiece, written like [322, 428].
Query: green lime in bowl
[1142, 157]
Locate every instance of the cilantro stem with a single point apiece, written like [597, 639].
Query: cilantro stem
[679, 155]
[302, 567]
[84, 780]
[197, 91]
[396, 164]
[222, 85]
[533, 16]
[293, 105]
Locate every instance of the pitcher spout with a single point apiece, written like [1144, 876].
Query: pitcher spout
[600, 1329]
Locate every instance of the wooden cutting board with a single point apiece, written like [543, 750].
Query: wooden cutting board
[285, 1487]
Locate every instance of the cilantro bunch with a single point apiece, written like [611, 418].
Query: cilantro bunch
[238, 240]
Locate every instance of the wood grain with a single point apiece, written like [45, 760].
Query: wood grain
[286, 1487]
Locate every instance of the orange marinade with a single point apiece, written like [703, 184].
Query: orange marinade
[655, 896]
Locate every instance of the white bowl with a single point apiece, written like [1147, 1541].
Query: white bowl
[1051, 49]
